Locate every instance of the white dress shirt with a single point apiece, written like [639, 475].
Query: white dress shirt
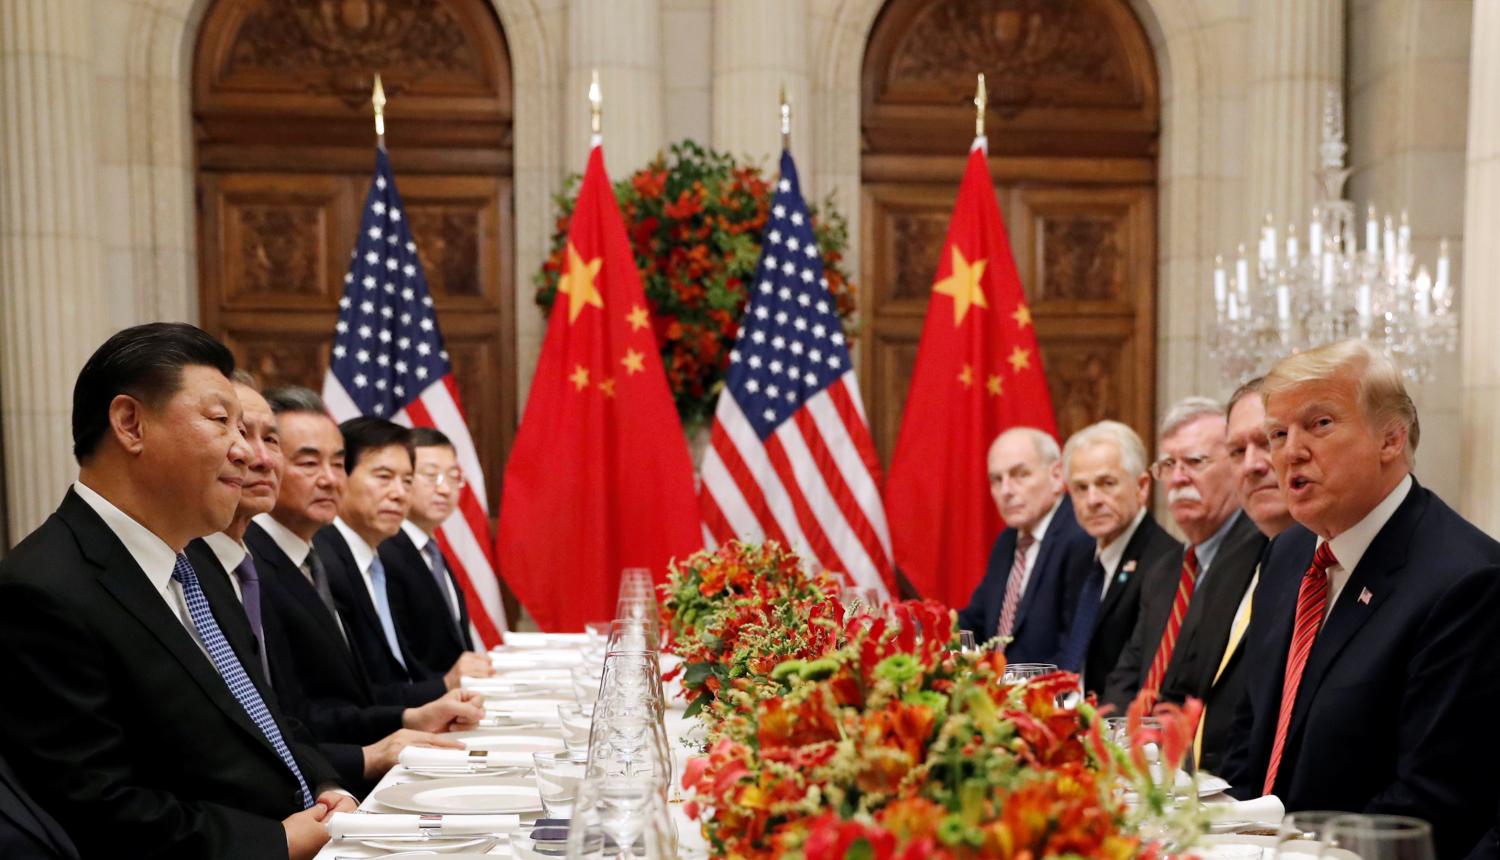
[1109, 556]
[420, 539]
[230, 553]
[296, 548]
[363, 553]
[150, 552]
[1351, 546]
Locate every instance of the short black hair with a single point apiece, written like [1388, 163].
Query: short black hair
[368, 433]
[294, 398]
[429, 437]
[145, 362]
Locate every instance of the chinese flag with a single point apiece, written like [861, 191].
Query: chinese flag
[599, 478]
[978, 372]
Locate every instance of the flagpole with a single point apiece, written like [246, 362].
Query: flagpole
[981, 98]
[786, 120]
[377, 100]
[596, 110]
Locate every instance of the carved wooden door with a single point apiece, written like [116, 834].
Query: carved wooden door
[1072, 139]
[285, 148]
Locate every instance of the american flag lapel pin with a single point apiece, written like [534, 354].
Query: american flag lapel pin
[1126, 570]
[1365, 595]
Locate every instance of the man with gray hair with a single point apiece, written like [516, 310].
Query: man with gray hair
[1105, 468]
[1026, 597]
[1181, 617]
[1375, 657]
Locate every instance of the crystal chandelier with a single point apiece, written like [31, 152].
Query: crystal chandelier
[1287, 299]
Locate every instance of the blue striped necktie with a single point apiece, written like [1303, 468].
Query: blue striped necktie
[229, 668]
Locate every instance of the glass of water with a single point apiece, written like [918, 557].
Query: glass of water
[557, 777]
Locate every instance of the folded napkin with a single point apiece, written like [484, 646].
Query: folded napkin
[544, 640]
[535, 659]
[1267, 810]
[525, 707]
[434, 757]
[368, 825]
[501, 685]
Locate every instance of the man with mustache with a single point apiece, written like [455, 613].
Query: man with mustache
[1377, 670]
[1209, 664]
[129, 712]
[360, 760]
[1213, 570]
[377, 494]
[1104, 465]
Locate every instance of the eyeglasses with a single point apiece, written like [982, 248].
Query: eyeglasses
[1194, 464]
[453, 478]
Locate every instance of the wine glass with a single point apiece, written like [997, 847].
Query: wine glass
[1377, 837]
[967, 643]
[1016, 672]
[1301, 834]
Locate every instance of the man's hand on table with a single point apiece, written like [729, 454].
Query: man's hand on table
[382, 755]
[455, 711]
[305, 833]
[471, 663]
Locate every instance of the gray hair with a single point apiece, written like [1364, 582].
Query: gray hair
[1187, 410]
[295, 398]
[1046, 446]
[1126, 442]
[1378, 386]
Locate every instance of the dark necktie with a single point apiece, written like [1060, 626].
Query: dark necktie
[434, 556]
[313, 568]
[231, 671]
[1087, 612]
[250, 596]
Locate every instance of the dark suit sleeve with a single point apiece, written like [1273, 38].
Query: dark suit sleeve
[1125, 680]
[79, 751]
[972, 617]
[1445, 766]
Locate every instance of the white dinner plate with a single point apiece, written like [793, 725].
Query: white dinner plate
[498, 739]
[457, 773]
[474, 846]
[464, 795]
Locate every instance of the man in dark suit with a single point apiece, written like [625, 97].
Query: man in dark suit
[1026, 597]
[360, 763]
[1211, 574]
[1208, 664]
[130, 714]
[27, 832]
[426, 597]
[1374, 653]
[340, 702]
[378, 466]
[1104, 465]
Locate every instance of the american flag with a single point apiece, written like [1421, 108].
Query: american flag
[389, 360]
[790, 456]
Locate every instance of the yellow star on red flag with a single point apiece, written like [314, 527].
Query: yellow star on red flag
[580, 377]
[577, 283]
[638, 318]
[1019, 359]
[634, 362]
[966, 376]
[964, 285]
[994, 385]
[1022, 315]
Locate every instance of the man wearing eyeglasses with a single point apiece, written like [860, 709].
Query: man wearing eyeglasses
[1187, 608]
[426, 598]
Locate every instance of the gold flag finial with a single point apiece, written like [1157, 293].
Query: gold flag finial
[981, 98]
[596, 105]
[786, 119]
[377, 99]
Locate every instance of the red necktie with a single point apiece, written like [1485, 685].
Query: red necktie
[1312, 600]
[1163, 657]
[1013, 586]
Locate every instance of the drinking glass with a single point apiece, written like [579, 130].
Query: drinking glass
[637, 609]
[1301, 834]
[1377, 837]
[858, 599]
[618, 816]
[966, 642]
[558, 774]
[577, 721]
[1015, 672]
[585, 684]
[636, 582]
[634, 635]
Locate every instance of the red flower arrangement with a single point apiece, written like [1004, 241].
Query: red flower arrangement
[695, 219]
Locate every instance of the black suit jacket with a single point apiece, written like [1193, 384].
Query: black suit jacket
[421, 608]
[1046, 607]
[348, 759]
[1142, 560]
[365, 633]
[116, 719]
[1205, 630]
[27, 832]
[338, 702]
[1400, 690]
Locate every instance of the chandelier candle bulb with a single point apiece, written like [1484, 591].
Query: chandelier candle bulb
[1390, 243]
[1372, 234]
[1221, 283]
[1234, 308]
[1242, 278]
[1423, 294]
[1315, 232]
[1440, 289]
[1283, 304]
[1291, 245]
[1362, 308]
[1328, 265]
[1268, 243]
[1403, 237]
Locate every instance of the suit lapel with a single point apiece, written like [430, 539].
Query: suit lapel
[305, 595]
[1211, 614]
[1375, 575]
[29, 817]
[1122, 575]
[1049, 548]
[348, 585]
[127, 583]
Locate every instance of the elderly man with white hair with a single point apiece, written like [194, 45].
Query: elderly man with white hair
[1026, 597]
[1105, 468]
[1211, 572]
[1374, 649]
